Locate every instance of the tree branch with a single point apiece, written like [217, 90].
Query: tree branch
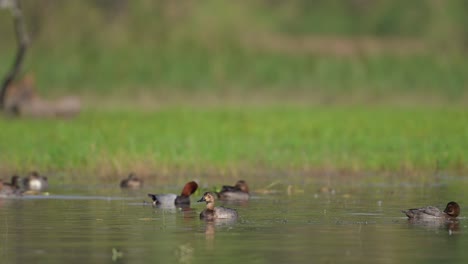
[22, 42]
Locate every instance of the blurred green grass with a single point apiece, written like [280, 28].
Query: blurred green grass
[243, 46]
[375, 76]
[352, 139]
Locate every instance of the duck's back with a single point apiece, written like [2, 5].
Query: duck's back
[425, 212]
[166, 199]
[130, 183]
[227, 188]
[222, 212]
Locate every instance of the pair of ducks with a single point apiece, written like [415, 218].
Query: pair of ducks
[239, 192]
[32, 183]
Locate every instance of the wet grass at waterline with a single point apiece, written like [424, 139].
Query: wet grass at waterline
[220, 139]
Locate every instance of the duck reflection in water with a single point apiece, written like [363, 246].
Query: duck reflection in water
[452, 226]
[212, 226]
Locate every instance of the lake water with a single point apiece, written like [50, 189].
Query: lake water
[354, 222]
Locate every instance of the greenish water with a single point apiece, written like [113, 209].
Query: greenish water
[356, 222]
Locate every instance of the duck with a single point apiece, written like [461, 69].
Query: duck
[452, 210]
[213, 212]
[174, 199]
[239, 192]
[10, 189]
[132, 182]
[35, 182]
[14, 182]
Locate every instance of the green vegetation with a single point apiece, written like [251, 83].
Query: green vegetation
[377, 77]
[217, 140]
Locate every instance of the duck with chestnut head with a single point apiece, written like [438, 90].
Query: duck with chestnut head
[238, 192]
[451, 211]
[171, 199]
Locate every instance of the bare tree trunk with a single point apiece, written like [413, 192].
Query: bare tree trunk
[22, 41]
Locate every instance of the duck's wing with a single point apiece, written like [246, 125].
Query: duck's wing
[223, 212]
[227, 188]
[428, 211]
[432, 211]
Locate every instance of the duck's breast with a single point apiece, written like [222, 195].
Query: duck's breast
[37, 184]
[207, 215]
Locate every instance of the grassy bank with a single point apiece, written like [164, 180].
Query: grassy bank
[224, 139]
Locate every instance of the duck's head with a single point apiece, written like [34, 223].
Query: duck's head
[452, 209]
[208, 197]
[242, 185]
[34, 174]
[132, 176]
[189, 188]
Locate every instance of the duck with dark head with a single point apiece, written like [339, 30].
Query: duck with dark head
[451, 211]
[171, 199]
[10, 188]
[238, 192]
[35, 182]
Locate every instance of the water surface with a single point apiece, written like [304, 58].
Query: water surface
[356, 223]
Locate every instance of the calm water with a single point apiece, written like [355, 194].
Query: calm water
[359, 222]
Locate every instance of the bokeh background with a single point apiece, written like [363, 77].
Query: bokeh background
[257, 50]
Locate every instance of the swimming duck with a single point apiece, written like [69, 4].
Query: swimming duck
[452, 210]
[14, 183]
[211, 212]
[9, 189]
[35, 182]
[132, 182]
[240, 191]
[174, 199]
